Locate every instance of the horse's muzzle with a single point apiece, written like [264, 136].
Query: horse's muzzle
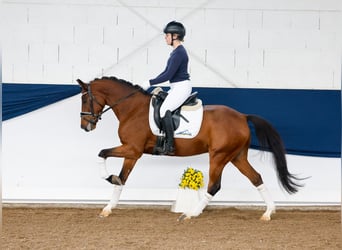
[88, 126]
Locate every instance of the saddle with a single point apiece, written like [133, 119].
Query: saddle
[158, 98]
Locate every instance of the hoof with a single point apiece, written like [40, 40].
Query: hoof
[267, 215]
[105, 213]
[265, 218]
[184, 217]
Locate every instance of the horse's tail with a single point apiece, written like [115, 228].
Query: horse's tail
[270, 140]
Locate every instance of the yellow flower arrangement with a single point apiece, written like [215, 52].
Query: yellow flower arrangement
[192, 178]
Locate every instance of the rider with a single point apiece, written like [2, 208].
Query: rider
[176, 72]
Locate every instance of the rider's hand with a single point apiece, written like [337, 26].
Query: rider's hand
[145, 85]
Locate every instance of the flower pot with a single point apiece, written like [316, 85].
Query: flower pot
[186, 201]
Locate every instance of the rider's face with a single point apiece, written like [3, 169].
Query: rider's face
[168, 38]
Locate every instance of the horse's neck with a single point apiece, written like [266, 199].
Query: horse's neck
[130, 103]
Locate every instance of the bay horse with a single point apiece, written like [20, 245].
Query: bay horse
[224, 134]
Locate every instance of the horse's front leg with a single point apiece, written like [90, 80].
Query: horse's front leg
[198, 209]
[117, 181]
[217, 163]
[124, 151]
[107, 210]
[213, 187]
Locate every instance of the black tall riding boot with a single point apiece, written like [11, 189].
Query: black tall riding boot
[169, 130]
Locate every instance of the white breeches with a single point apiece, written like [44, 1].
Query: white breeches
[178, 93]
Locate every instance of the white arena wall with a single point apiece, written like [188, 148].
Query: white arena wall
[258, 44]
[46, 157]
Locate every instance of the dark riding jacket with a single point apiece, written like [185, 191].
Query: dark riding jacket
[176, 68]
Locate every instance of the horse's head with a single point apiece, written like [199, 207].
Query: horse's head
[91, 107]
[109, 91]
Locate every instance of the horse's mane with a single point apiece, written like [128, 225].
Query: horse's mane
[122, 81]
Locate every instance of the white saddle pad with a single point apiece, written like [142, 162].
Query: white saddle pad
[186, 129]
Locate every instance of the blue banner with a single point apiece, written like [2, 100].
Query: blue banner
[309, 121]
[19, 99]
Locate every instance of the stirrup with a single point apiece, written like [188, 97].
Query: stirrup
[170, 150]
[164, 149]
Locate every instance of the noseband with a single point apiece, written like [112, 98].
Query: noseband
[97, 117]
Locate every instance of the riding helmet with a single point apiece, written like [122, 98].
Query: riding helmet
[175, 28]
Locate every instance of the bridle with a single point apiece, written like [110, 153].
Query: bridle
[96, 117]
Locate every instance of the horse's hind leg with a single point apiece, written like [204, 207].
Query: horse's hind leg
[246, 169]
[269, 202]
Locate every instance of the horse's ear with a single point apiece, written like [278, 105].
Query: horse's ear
[83, 85]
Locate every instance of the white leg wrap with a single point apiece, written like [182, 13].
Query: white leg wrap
[115, 198]
[265, 195]
[107, 210]
[103, 168]
[113, 201]
[201, 205]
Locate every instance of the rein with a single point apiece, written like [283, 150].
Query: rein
[92, 99]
